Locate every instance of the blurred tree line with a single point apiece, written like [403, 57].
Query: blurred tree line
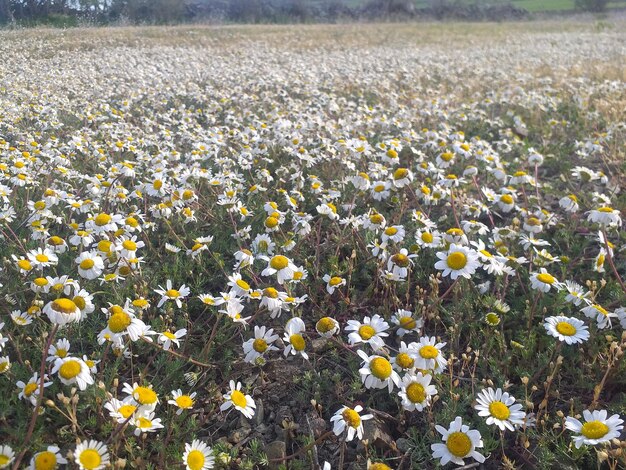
[75, 12]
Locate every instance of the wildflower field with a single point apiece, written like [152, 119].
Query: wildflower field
[339, 247]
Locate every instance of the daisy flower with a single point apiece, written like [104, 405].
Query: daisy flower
[144, 421]
[48, 459]
[198, 456]
[121, 410]
[333, 283]
[575, 293]
[543, 281]
[350, 419]
[457, 261]
[405, 321]
[90, 265]
[142, 395]
[405, 359]
[416, 391]
[568, 329]
[377, 372]
[62, 311]
[236, 398]
[327, 327]
[596, 429]
[395, 233]
[182, 401]
[428, 354]
[256, 347]
[30, 390]
[602, 315]
[282, 266]
[58, 350]
[169, 293]
[605, 215]
[5, 365]
[371, 331]
[459, 442]
[500, 409]
[238, 287]
[73, 371]
[293, 337]
[6, 456]
[167, 338]
[91, 455]
[41, 258]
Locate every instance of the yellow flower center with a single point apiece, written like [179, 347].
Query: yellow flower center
[546, 278]
[279, 262]
[69, 369]
[24, 264]
[55, 241]
[391, 231]
[104, 246]
[565, 328]
[457, 260]
[60, 352]
[335, 281]
[86, 264]
[366, 332]
[90, 459]
[129, 245]
[377, 219]
[172, 293]
[400, 173]
[379, 466]
[506, 198]
[64, 306]
[427, 237]
[405, 361]
[605, 209]
[391, 153]
[145, 395]
[325, 324]
[184, 401]
[42, 258]
[429, 352]
[533, 221]
[351, 418]
[30, 388]
[459, 444]
[102, 219]
[243, 284]
[271, 222]
[4, 459]
[169, 335]
[41, 281]
[238, 399]
[416, 392]
[270, 292]
[380, 367]
[408, 323]
[127, 410]
[119, 321]
[195, 460]
[400, 259]
[594, 430]
[259, 345]
[297, 341]
[45, 461]
[144, 423]
[499, 410]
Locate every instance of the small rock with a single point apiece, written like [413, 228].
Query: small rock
[318, 426]
[275, 450]
[403, 445]
[238, 435]
[377, 434]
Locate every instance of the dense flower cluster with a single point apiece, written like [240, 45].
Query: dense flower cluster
[428, 233]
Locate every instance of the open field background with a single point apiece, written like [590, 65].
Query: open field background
[205, 145]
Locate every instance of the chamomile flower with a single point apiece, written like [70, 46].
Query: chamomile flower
[457, 261]
[405, 321]
[416, 391]
[48, 459]
[59, 350]
[144, 422]
[6, 456]
[596, 429]
[544, 281]
[167, 338]
[428, 354]
[370, 331]
[600, 314]
[90, 265]
[198, 456]
[500, 409]
[62, 311]
[258, 346]
[30, 390]
[121, 410]
[327, 327]
[171, 294]
[459, 442]
[350, 419]
[568, 329]
[143, 395]
[293, 338]
[282, 267]
[377, 372]
[73, 371]
[237, 399]
[91, 455]
[606, 216]
[333, 282]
